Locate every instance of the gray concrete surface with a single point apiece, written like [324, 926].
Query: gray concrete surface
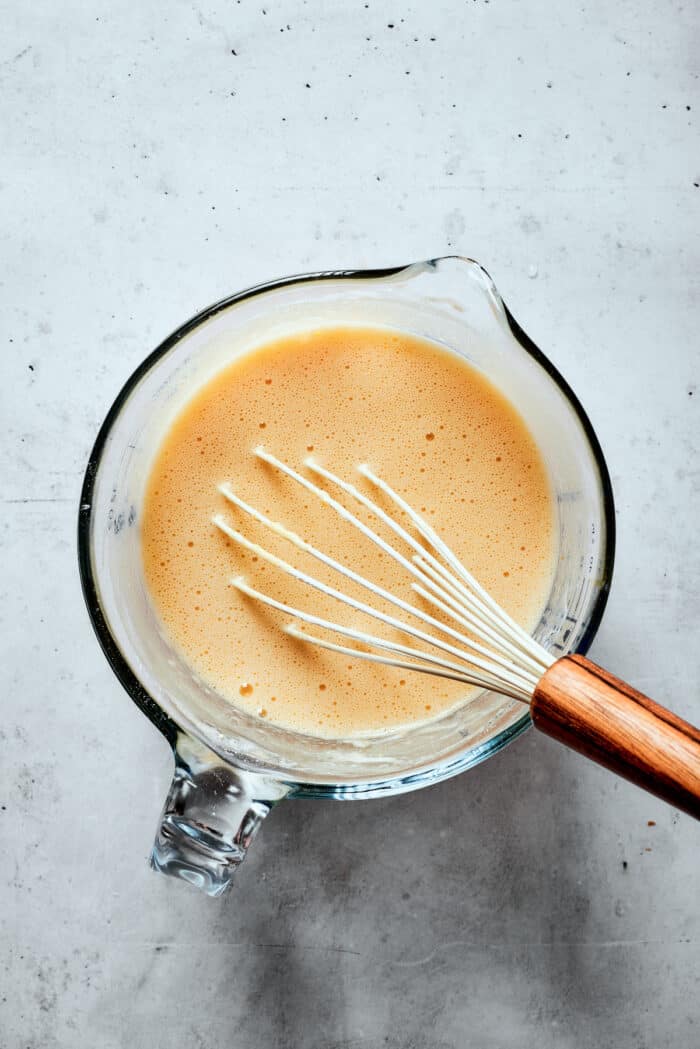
[157, 156]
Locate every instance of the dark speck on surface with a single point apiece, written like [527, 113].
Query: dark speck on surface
[31, 367]
[624, 865]
[234, 52]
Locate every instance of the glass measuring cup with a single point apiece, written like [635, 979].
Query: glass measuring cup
[230, 767]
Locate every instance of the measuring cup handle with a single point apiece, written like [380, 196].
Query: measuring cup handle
[211, 814]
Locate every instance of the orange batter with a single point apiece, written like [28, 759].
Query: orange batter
[428, 424]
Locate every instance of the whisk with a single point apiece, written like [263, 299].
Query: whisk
[477, 642]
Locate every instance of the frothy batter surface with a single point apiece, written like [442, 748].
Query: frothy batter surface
[429, 424]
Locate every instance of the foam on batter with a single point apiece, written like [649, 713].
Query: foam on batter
[429, 424]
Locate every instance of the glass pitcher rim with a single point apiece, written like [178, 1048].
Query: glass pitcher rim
[112, 650]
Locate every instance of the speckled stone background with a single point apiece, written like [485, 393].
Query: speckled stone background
[156, 156]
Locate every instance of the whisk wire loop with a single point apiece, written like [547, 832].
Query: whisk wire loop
[494, 653]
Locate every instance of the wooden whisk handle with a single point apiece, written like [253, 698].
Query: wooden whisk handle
[602, 717]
